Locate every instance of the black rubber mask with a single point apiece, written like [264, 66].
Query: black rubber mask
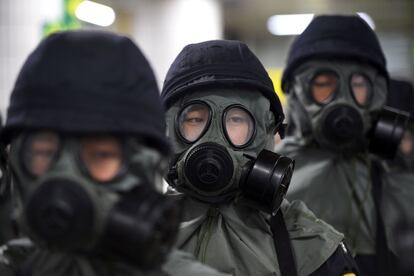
[220, 144]
[71, 204]
[341, 108]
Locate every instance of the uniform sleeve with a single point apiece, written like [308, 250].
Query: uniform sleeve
[341, 263]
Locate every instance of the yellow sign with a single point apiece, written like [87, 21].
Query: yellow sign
[68, 21]
[275, 75]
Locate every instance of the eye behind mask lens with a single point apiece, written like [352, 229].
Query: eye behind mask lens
[324, 87]
[239, 126]
[103, 157]
[39, 151]
[193, 121]
[361, 89]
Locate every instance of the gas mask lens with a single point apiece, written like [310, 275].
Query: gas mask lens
[239, 126]
[193, 121]
[102, 157]
[324, 86]
[361, 89]
[39, 151]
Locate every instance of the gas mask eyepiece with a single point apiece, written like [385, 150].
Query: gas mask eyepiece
[209, 168]
[387, 132]
[266, 180]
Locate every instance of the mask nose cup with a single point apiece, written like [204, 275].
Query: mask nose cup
[209, 167]
[342, 125]
[60, 213]
[57, 215]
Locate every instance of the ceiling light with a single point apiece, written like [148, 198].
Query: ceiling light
[95, 13]
[288, 24]
[295, 24]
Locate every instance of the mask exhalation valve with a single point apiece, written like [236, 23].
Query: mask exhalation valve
[209, 167]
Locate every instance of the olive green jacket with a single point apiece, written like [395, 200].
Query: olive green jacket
[17, 253]
[237, 240]
[338, 190]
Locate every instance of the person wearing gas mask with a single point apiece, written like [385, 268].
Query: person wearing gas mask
[87, 151]
[7, 229]
[340, 133]
[222, 115]
[401, 96]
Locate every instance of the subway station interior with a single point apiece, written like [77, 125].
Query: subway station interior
[163, 27]
[241, 137]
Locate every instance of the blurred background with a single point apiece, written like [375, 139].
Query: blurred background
[163, 27]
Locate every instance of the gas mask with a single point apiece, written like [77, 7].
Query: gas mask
[221, 138]
[94, 194]
[341, 104]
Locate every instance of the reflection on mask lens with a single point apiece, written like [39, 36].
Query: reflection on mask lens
[193, 120]
[239, 126]
[324, 86]
[361, 89]
[102, 157]
[39, 150]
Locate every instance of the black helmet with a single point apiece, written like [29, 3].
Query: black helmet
[214, 63]
[87, 82]
[335, 36]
